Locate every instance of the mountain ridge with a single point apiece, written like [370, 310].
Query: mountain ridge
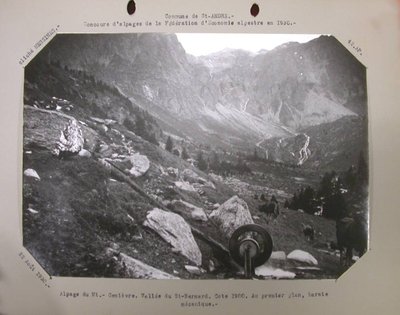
[235, 95]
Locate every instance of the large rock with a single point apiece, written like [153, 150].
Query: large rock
[185, 186]
[276, 273]
[302, 256]
[140, 164]
[84, 153]
[195, 213]
[71, 139]
[216, 177]
[173, 172]
[43, 128]
[232, 214]
[175, 231]
[279, 255]
[30, 172]
[136, 269]
[192, 177]
[194, 270]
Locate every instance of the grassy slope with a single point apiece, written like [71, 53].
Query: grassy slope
[82, 210]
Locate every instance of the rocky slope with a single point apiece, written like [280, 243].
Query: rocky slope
[88, 215]
[101, 189]
[230, 98]
[321, 147]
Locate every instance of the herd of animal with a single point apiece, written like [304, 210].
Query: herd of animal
[351, 232]
[351, 237]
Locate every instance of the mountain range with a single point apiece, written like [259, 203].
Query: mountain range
[232, 99]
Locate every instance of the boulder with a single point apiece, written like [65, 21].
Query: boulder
[279, 255]
[30, 172]
[196, 213]
[106, 122]
[268, 271]
[136, 269]
[32, 210]
[192, 177]
[211, 265]
[140, 164]
[302, 256]
[232, 214]
[216, 177]
[71, 139]
[104, 162]
[84, 153]
[173, 172]
[43, 127]
[175, 231]
[185, 186]
[308, 268]
[194, 270]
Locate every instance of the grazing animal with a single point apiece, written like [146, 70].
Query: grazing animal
[351, 234]
[308, 232]
[271, 208]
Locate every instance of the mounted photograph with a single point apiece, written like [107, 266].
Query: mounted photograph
[195, 156]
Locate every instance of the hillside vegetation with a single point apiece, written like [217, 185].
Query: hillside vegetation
[122, 179]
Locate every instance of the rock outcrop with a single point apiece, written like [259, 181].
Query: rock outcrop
[140, 164]
[71, 139]
[194, 270]
[29, 172]
[279, 255]
[185, 186]
[270, 272]
[192, 177]
[232, 214]
[175, 231]
[196, 213]
[302, 256]
[43, 127]
[134, 268]
[84, 153]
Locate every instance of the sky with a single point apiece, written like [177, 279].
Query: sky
[199, 44]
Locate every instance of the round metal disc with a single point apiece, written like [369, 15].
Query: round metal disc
[259, 235]
[249, 245]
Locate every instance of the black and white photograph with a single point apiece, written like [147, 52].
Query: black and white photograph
[195, 156]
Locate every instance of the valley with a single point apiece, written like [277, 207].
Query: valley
[133, 148]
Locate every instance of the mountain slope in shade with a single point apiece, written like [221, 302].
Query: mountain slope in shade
[232, 98]
[297, 85]
[327, 147]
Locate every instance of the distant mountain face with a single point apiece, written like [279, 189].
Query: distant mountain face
[231, 98]
[322, 146]
[297, 85]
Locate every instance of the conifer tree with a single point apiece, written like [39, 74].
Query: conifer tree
[201, 163]
[169, 145]
[185, 155]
